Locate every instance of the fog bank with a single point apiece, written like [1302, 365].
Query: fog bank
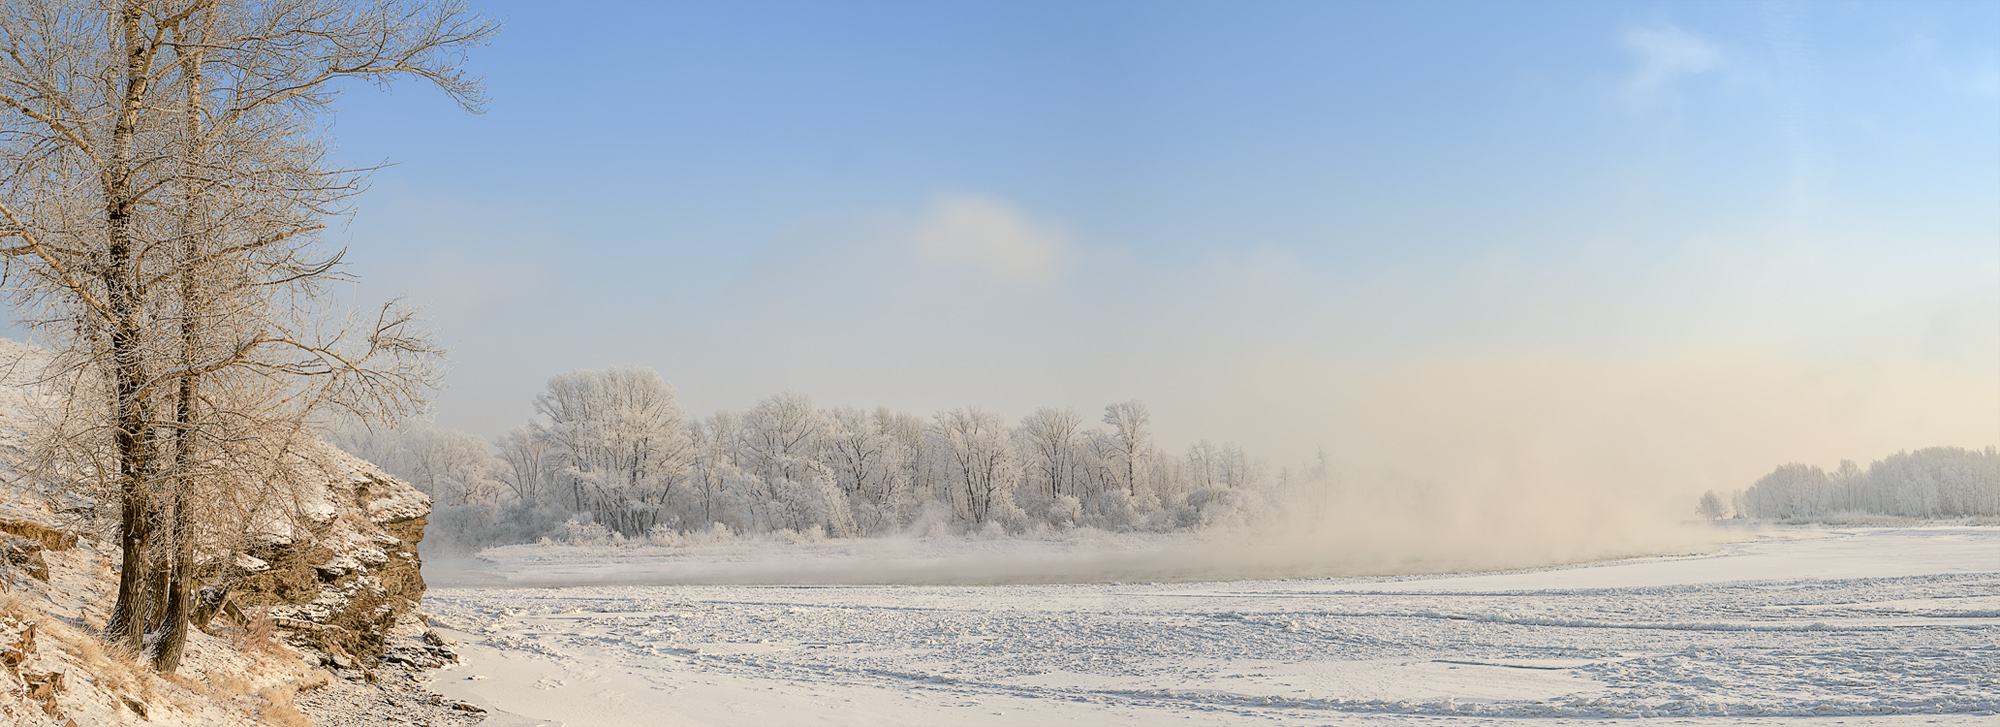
[1345, 530]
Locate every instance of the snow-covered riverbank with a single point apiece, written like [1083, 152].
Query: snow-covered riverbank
[1877, 626]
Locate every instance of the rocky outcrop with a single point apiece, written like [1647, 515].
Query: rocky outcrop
[341, 557]
[333, 550]
[22, 543]
[49, 538]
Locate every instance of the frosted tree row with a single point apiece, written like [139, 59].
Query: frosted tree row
[1930, 484]
[613, 448]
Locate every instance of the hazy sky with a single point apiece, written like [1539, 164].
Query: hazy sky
[1636, 244]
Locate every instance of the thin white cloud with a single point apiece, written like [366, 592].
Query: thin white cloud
[990, 235]
[1978, 76]
[1985, 80]
[1663, 54]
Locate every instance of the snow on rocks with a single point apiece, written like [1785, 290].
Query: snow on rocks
[334, 568]
[340, 558]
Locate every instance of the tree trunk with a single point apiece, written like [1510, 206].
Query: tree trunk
[132, 437]
[173, 632]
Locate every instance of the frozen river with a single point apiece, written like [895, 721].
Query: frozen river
[1853, 626]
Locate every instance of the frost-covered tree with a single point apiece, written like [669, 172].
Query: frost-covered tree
[1050, 442]
[1132, 441]
[524, 455]
[782, 437]
[1793, 491]
[1100, 470]
[1711, 507]
[980, 459]
[916, 463]
[619, 440]
[783, 440]
[453, 467]
[1939, 482]
[713, 469]
[857, 451]
[787, 465]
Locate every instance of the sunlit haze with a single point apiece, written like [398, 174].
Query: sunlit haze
[1652, 245]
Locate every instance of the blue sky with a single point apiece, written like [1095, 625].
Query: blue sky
[1477, 240]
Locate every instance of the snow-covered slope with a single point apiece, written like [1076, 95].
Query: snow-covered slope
[344, 532]
[342, 550]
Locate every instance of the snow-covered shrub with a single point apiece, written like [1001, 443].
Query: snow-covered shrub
[810, 535]
[871, 519]
[715, 533]
[1009, 516]
[581, 531]
[1113, 511]
[1064, 513]
[526, 522]
[1210, 507]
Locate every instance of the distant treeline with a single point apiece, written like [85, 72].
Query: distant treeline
[1930, 484]
[612, 452]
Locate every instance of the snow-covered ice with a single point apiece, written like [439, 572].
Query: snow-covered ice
[1852, 626]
